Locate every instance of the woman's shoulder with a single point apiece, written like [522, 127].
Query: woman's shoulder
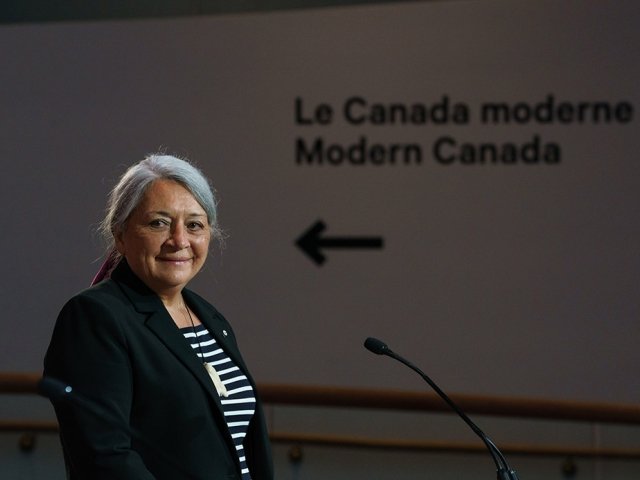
[106, 291]
[99, 312]
[98, 300]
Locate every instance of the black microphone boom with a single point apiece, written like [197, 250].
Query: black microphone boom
[504, 471]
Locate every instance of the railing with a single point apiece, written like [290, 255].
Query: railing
[306, 396]
[482, 405]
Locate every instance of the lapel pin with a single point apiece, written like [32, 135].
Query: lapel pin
[224, 332]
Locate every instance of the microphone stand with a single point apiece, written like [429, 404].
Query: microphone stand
[504, 472]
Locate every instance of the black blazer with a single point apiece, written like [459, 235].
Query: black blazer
[117, 346]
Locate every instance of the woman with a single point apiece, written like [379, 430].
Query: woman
[160, 387]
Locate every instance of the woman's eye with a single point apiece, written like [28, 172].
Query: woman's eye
[157, 223]
[195, 226]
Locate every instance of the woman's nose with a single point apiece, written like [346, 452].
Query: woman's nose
[179, 237]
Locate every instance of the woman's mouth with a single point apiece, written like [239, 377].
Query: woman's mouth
[175, 261]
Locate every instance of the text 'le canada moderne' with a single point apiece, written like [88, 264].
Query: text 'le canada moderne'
[357, 112]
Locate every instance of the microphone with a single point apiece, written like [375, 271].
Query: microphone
[504, 471]
[54, 389]
[376, 346]
[62, 393]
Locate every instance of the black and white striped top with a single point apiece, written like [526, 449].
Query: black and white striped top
[239, 406]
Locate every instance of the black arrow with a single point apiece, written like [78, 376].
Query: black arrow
[311, 243]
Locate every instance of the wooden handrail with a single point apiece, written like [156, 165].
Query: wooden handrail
[12, 382]
[26, 383]
[314, 396]
[390, 443]
[431, 446]
[478, 404]
[18, 426]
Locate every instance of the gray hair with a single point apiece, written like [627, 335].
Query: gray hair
[133, 184]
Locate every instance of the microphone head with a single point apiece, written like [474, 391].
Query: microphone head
[53, 389]
[376, 346]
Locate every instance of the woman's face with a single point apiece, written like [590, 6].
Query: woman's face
[166, 238]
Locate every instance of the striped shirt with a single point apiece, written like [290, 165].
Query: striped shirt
[239, 406]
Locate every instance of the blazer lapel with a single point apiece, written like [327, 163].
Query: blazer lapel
[162, 326]
[158, 320]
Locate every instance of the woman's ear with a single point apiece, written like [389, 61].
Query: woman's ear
[119, 242]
